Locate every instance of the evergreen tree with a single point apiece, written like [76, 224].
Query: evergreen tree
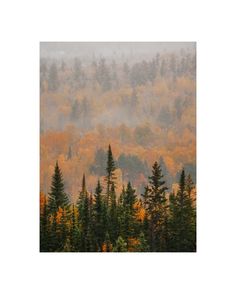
[156, 207]
[98, 217]
[57, 196]
[129, 228]
[53, 243]
[44, 228]
[182, 219]
[74, 231]
[189, 185]
[110, 177]
[113, 217]
[84, 217]
[62, 230]
[142, 245]
[120, 246]
[107, 243]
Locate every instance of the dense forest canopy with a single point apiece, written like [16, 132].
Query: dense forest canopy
[139, 97]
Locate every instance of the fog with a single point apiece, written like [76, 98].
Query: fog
[138, 97]
[115, 50]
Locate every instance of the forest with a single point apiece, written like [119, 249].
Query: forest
[140, 99]
[157, 221]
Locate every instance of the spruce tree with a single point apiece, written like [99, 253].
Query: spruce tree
[110, 176]
[129, 229]
[98, 217]
[44, 228]
[156, 207]
[57, 196]
[74, 231]
[113, 217]
[182, 219]
[84, 218]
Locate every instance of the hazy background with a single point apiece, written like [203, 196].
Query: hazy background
[138, 97]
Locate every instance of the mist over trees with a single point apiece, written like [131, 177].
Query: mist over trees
[140, 97]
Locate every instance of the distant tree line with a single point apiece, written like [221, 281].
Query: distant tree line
[109, 75]
[156, 221]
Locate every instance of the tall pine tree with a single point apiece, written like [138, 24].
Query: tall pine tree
[156, 207]
[57, 196]
[182, 219]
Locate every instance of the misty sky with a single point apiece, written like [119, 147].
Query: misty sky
[109, 49]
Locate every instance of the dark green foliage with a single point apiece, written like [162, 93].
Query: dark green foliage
[98, 218]
[167, 176]
[44, 229]
[101, 222]
[120, 245]
[142, 245]
[189, 169]
[113, 217]
[128, 224]
[57, 196]
[110, 173]
[156, 206]
[84, 218]
[74, 232]
[182, 219]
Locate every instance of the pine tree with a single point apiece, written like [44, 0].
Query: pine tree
[53, 243]
[129, 229]
[156, 207]
[62, 230]
[58, 197]
[44, 228]
[107, 246]
[74, 232]
[113, 217]
[110, 169]
[182, 219]
[84, 219]
[98, 217]
[142, 245]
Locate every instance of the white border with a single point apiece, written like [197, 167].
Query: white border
[23, 25]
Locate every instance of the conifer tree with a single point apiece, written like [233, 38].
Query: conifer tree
[62, 230]
[142, 245]
[107, 243]
[98, 217]
[156, 207]
[110, 176]
[113, 217]
[182, 219]
[53, 244]
[57, 196]
[129, 229]
[44, 228]
[84, 220]
[74, 231]
[120, 246]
